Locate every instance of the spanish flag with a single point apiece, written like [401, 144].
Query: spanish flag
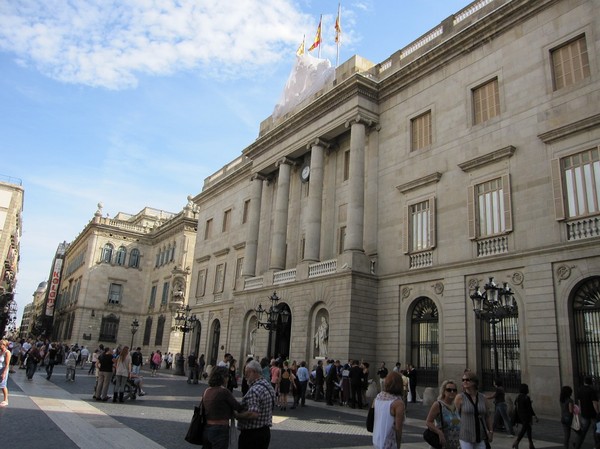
[317, 41]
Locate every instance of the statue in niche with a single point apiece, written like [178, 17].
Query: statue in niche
[321, 337]
[252, 339]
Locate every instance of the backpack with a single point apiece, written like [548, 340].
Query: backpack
[136, 358]
[156, 358]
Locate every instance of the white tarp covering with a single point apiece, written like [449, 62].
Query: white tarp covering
[308, 76]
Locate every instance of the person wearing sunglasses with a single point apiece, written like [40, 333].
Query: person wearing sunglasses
[443, 417]
[475, 415]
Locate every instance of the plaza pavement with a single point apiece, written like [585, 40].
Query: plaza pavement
[56, 414]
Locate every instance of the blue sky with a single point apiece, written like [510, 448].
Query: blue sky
[133, 103]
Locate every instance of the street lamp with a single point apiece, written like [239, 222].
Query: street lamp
[492, 305]
[272, 316]
[134, 327]
[184, 322]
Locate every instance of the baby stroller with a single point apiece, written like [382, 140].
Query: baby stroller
[131, 390]
[311, 388]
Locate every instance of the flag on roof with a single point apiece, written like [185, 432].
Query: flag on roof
[317, 40]
[338, 25]
[300, 50]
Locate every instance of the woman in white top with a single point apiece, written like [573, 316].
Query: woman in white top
[389, 413]
[122, 372]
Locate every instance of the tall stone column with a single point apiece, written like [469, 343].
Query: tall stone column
[312, 224]
[249, 268]
[356, 202]
[280, 215]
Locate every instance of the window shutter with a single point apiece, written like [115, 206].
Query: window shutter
[432, 223]
[406, 231]
[507, 203]
[557, 189]
[471, 212]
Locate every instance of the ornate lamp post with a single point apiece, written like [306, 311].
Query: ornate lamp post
[184, 323]
[271, 316]
[134, 327]
[492, 305]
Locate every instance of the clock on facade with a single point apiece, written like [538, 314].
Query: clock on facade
[305, 173]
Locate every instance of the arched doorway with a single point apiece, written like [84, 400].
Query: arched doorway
[425, 341]
[214, 342]
[279, 341]
[586, 320]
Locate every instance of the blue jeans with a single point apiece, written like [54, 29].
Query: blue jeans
[580, 436]
[216, 437]
[502, 410]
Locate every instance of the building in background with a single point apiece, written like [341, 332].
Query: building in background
[11, 208]
[121, 269]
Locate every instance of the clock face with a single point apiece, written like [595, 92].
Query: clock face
[305, 173]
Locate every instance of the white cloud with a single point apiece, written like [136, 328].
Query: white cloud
[110, 43]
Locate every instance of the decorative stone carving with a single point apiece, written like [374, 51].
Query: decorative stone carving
[406, 292]
[563, 272]
[518, 278]
[438, 288]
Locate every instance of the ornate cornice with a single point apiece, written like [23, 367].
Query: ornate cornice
[489, 158]
[420, 182]
[562, 132]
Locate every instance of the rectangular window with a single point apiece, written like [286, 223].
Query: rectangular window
[420, 128]
[147, 330]
[491, 208]
[346, 165]
[165, 294]
[201, 283]
[421, 228]
[581, 174]
[219, 278]
[152, 296]
[302, 247]
[341, 239]
[208, 229]
[114, 293]
[226, 220]
[239, 266]
[570, 63]
[246, 211]
[486, 102]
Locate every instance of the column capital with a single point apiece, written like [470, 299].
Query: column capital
[318, 142]
[286, 160]
[258, 177]
[361, 119]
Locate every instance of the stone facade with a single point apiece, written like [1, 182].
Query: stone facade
[474, 106]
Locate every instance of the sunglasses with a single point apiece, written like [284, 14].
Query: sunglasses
[466, 380]
[451, 390]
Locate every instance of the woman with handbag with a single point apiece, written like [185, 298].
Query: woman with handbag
[443, 419]
[219, 405]
[475, 415]
[526, 414]
[389, 413]
[566, 413]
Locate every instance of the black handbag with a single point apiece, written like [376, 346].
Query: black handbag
[370, 419]
[431, 437]
[196, 429]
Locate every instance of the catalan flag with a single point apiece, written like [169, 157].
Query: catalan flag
[317, 41]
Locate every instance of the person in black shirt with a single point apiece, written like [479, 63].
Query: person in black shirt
[499, 398]
[356, 384]
[319, 380]
[331, 380]
[51, 360]
[587, 399]
[105, 371]
[382, 372]
[193, 368]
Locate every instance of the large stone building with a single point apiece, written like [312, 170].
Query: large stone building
[381, 203]
[377, 206]
[111, 269]
[11, 208]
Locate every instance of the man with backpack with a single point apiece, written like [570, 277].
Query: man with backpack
[137, 360]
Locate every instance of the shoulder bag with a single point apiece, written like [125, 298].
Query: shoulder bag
[196, 429]
[431, 437]
[371, 418]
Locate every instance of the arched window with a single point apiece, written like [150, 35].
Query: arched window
[147, 330]
[134, 258]
[214, 342]
[107, 253]
[586, 318]
[160, 330]
[121, 255]
[425, 341]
